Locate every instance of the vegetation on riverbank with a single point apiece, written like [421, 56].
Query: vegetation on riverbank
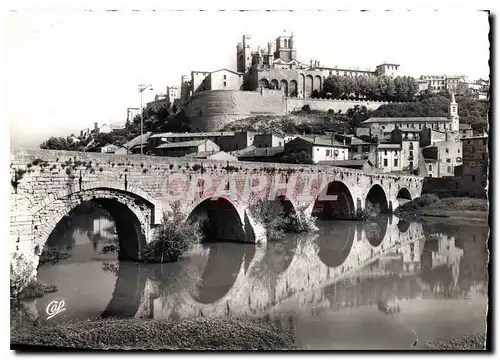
[464, 342]
[52, 256]
[451, 207]
[172, 237]
[129, 334]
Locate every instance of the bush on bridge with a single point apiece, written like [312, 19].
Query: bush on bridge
[271, 215]
[172, 237]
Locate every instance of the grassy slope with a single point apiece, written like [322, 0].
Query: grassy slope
[291, 124]
[189, 334]
[452, 207]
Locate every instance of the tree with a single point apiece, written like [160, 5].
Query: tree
[172, 237]
[357, 115]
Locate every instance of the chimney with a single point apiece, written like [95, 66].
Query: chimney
[95, 126]
[311, 62]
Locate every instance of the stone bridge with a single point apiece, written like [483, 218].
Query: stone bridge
[136, 190]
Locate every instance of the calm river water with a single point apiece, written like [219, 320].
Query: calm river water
[352, 285]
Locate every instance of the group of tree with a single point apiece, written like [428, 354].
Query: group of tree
[380, 88]
[157, 118]
[470, 111]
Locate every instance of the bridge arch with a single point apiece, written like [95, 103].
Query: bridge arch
[341, 208]
[133, 216]
[376, 197]
[220, 219]
[403, 193]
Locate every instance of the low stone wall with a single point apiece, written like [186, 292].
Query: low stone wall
[453, 185]
[293, 104]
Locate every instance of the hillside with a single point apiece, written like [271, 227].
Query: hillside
[299, 123]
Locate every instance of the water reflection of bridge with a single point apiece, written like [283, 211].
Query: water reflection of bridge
[303, 271]
[345, 264]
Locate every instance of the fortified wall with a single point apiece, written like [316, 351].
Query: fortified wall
[211, 110]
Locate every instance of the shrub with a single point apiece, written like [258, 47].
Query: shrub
[21, 272]
[298, 222]
[112, 248]
[306, 108]
[270, 214]
[52, 256]
[173, 237]
[371, 211]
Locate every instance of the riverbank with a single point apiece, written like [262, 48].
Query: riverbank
[134, 334]
[465, 342]
[430, 207]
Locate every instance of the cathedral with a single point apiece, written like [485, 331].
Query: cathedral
[276, 67]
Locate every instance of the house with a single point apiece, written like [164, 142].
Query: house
[252, 153]
[113, 149]
[408, 138]
[380, 126]
[466, 131]
[226, 140]
[210, 155]
[92, 146]
[178, 149]
[442, 157]
[475, 160]
[358, 148]
[268, 140]
[134, 146]
[362, 164]
[388, 157]
[318, 148]
[222, 79]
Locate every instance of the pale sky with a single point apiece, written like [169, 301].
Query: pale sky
[67, 70]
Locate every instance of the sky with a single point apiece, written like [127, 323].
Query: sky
[69, 69]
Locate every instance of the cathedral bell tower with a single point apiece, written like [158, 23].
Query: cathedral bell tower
[453, 116]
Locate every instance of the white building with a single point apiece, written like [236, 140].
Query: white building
[318, 148]
[389, 157]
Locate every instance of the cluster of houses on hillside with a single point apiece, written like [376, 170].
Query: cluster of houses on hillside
[427, 146]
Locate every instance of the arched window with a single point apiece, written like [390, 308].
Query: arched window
[286, 43]
[411, 146]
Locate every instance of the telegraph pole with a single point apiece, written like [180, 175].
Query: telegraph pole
[143, 87]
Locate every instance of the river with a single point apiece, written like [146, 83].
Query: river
[384, 284]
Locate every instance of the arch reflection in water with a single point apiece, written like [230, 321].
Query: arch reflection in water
[277, 258]
[403, 225]
[375, 229]
[335, 241]
[221, 270]
[128, 290]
